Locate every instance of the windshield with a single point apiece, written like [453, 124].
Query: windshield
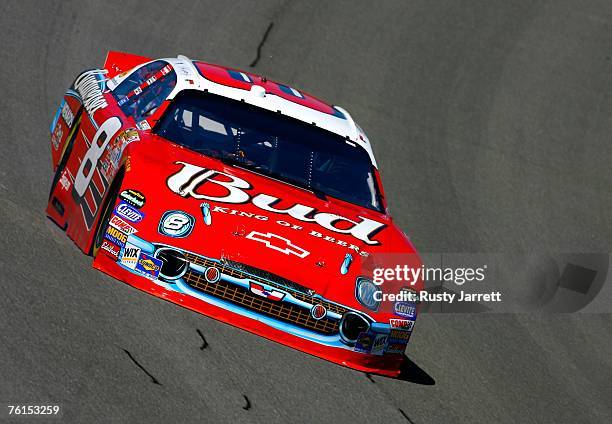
[271, 144]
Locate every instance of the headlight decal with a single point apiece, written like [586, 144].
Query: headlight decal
[365, 292]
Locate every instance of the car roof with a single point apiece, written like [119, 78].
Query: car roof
[261, 92]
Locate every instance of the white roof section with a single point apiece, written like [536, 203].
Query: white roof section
[188, 78]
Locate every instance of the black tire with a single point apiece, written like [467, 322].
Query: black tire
[107, 210]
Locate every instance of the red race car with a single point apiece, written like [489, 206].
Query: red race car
[240, 198]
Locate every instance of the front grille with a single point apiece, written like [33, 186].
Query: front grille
[238, 270]
[267, 275]
[280, 310]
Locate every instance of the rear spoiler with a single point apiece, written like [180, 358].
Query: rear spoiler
[118, 62]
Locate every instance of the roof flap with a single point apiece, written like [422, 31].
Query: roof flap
[118, 62]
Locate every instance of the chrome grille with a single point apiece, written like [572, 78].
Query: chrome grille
[227, 267]
[280, 310]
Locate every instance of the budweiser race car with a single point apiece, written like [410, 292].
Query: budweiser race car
[240, 198]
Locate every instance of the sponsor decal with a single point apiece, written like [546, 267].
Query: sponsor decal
[56, 137]
[379, 344]
[190, 181]
[129, 135]
[65, 180]
[339, 242]
[110, 161]
[106, 168]
[364, 342]
[312, 233]
[121, 225]
[259, 290]
[67, 115]
[143, 125]
[278, 243]
[396, 334]
[128, 212]
[133, 197]
[176, 224]
[130, 256]
[114, 156]
[111, 248]
[117, 146]
[405, 309]
[398, 340]
[318, 311]
[403, 324]
[396, 346]
[236, 212]
[148, 266]
[116, 236]
[89, 86]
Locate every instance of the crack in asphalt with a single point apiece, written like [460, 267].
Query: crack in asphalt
[153, 379]
[248, 403]
[204, 342]
[261, 43]
[405, 416]
[369, 377]
[247, 406]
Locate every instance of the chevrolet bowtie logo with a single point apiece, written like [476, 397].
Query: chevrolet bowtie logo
[278, 243]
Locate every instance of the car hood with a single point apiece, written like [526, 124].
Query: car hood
[242, 216]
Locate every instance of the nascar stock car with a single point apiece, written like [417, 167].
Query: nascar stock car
[240, 198]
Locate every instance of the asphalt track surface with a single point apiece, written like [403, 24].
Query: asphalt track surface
[491, 121]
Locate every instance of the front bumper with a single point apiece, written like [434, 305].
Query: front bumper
[266, 305]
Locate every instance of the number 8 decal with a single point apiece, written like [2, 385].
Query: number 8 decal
[103, 136]
[176, 224]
